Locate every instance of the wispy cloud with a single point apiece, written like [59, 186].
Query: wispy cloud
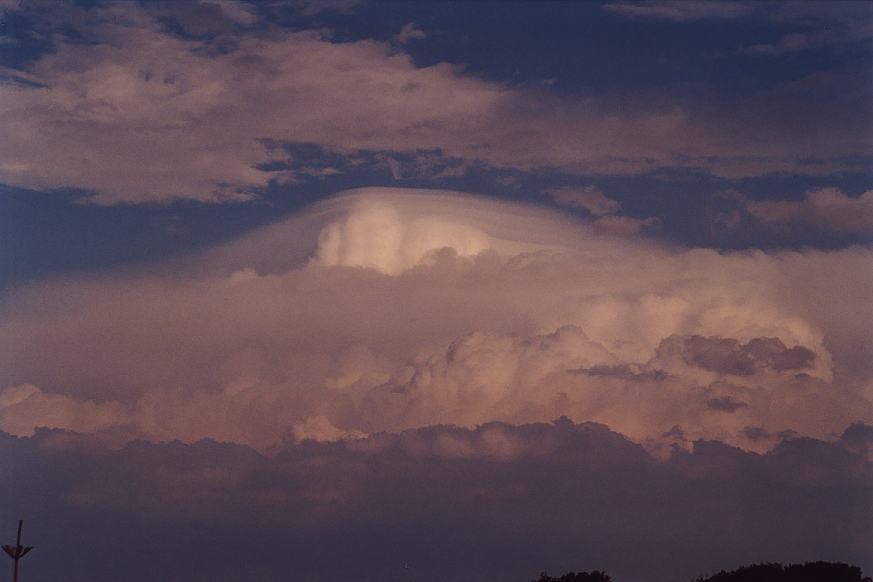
[816, 24]
[826, 209]
[409, 32]
[588, 197]
[315, 7]
[681, 10]
[788, 43]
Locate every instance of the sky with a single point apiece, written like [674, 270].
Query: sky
[362, 290]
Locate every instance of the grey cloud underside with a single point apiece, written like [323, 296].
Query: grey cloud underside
[729, 356]
[501, 503]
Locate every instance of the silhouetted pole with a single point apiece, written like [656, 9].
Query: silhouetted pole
[17, 551]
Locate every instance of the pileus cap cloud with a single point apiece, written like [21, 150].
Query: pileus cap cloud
[392, 229]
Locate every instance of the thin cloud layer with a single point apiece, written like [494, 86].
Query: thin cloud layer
[681, 10]
[588, 197]
[828, 209]
[385, 309]
[138, 114]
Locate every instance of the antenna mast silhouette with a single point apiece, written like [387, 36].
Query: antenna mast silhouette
[17, 551]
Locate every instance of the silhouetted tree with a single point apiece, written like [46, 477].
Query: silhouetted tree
[594, 576]
[770, 572]
[808, 572]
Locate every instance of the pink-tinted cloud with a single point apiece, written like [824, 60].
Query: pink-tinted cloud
[409, 32]
[787, 43]
[818, 24]
[141, 115]
[828, 209]
[588, 197]
[604, 210]
[388, 309]
[314, 7]
[625, 225]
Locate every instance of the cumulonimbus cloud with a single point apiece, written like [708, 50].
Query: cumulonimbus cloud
[385, 309]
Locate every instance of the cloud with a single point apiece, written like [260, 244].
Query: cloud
[593, 498]
[625, 225]
[9, 6]
[605, 211]
[828, 209]
[141, 115]
[802, 25]
[409, 32]
[137, 114]
[401, 242]
[389, 309]
[239, 12]
[24, 407]
[681, 10]
[728, 356]
[314, 7]
[816, 25]
[788, 43]
[725, 404]
[588, 197]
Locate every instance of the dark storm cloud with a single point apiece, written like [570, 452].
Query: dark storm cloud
[729, 356]
[501, 502]
[725, 404]
[623, 372]
[756, 433]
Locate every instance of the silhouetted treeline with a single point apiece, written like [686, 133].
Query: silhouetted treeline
[808, 572]
[595, 576]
